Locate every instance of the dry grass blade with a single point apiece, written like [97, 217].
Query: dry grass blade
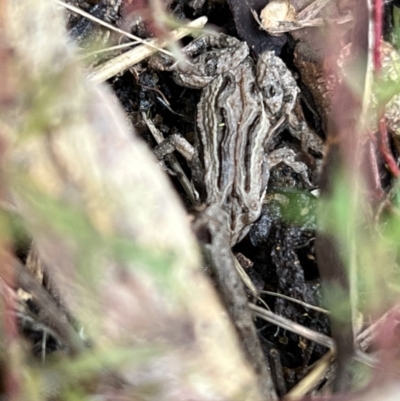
[182, 177]
[246, 279]
[111, 27]
[109, 228]
[309, 382]
[108, 49]
[126, 60]
[287, 324]
[305, 304]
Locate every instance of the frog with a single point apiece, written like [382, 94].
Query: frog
[243, 107]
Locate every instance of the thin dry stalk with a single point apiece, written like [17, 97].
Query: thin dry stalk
[182, 177]
[296, 328]
[128, 59]
[112, 28]
[109, 227]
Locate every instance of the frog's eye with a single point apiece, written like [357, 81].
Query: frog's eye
[270, 90]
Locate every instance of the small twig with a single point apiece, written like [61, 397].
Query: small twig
[248, 283]
[108, 49]
[161, 98]
[287, 324]
[277, 371]
[302, 303]
[185, 182]
[126, 60]
[246, 279]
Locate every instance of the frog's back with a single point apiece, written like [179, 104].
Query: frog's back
[233, 126]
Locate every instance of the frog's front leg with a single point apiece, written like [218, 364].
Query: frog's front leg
[306, 135]
[298, 127]
[280, 96]
[212, 40]
[288, 156]
[189, 152]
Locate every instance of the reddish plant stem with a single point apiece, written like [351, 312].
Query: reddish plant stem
[377, 193]
[378, 18]
[383, 134]
[384, 146]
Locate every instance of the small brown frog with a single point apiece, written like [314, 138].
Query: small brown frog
[243, 106]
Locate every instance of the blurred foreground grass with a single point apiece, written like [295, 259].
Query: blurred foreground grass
[112, 244]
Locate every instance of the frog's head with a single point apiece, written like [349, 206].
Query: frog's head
[272, 77]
